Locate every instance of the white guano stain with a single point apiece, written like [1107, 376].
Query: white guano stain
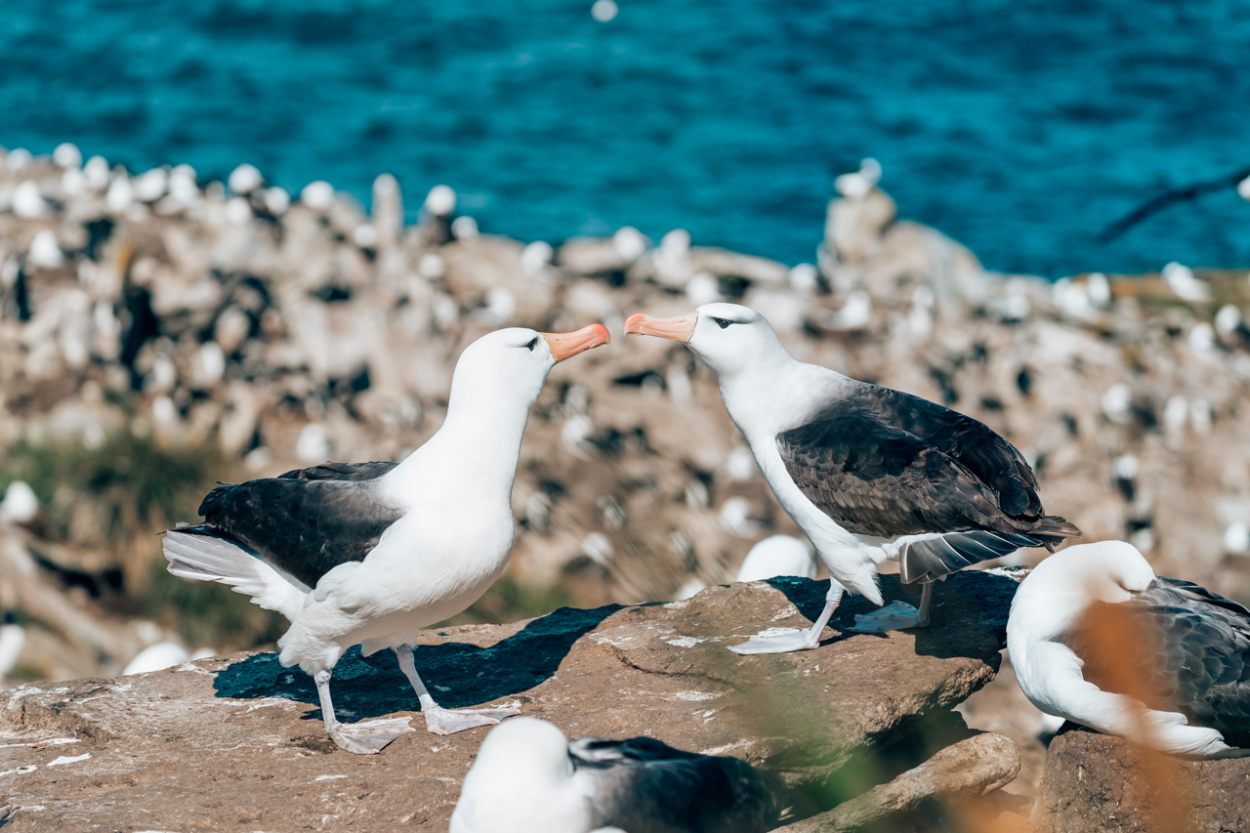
[695, 696]
[729, 747]
[684, 641]
[53, 742]
[21, 770]
[64, 759]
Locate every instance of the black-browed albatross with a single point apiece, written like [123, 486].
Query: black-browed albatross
[868, 473]
[370, 553]
[528, 778]
[1096, 638]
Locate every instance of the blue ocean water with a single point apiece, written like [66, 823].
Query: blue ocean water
[1020, 127]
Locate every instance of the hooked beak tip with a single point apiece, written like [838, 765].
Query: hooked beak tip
[567, 345]
[633, 324]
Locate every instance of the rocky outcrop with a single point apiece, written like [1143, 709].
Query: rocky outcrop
[1101, 784]
[238, 744]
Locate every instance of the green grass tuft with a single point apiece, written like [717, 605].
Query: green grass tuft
[135, 486]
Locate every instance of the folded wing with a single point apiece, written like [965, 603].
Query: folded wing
[884, 463]
[305, 522]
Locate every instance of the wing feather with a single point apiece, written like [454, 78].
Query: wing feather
[877, 479]
[305, 522]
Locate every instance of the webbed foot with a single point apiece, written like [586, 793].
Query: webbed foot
[893, 617]
[778, 643]
[371, 736]
[440, 721]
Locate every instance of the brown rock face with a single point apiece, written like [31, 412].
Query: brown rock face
[1101, 784]
[238, 744]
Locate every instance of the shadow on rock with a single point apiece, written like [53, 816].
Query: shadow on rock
[458, 675]
[809, 597]
[969, 616]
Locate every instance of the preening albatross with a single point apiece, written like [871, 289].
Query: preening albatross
[868, 473]
[370, 553]
[528, 778]
[1096, 638]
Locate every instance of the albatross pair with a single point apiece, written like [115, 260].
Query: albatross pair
[371, 553]
[868, 473]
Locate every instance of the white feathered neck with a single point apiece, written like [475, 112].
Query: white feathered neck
[477, 448]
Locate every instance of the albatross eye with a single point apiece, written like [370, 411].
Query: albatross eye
[532, 344]
[722, 323]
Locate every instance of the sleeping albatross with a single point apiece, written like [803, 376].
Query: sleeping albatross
[867, 472]
[370, 553]
[1096, 638]
[528, 778]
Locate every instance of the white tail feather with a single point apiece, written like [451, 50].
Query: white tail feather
[207, 558]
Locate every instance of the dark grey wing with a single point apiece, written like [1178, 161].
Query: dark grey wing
[1193, 656]
[1204, 639]
[993, 460]
[340, 471]
[877, 479]
[302, 523]
[885, 463]
[645, 786]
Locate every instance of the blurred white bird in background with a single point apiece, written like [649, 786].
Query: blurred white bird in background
[12, 640]
[778, 555]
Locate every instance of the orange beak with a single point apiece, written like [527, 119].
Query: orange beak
[567, 345]
[678, 328]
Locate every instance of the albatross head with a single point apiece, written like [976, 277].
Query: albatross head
[527, 748]
[726, 337]
[1056, 595]
[1106, 571]
[523, 773]
[515, 362]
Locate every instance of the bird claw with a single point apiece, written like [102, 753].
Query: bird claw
[893, 617]
[450, 721]
[782, 643]
[371, 736]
